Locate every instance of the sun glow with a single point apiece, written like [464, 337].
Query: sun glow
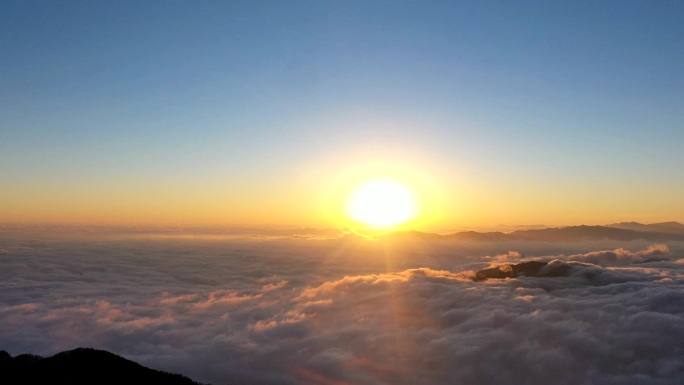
[382, 203]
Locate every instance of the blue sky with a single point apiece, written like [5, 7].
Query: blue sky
[566, 96]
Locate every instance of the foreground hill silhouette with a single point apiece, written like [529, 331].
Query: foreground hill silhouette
[80, 367]
[658, 232]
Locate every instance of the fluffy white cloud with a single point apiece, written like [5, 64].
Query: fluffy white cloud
[621, 257]
[293, 311]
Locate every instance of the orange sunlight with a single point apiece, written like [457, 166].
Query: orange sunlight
[382, 204]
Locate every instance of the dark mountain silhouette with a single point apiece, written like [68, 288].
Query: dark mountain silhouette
[412, 234]
[475, 236]
[662, 227]
[82, 366]
[655, 233]
[584, 233]
[577, 233]
[527, 269]
[463, 235]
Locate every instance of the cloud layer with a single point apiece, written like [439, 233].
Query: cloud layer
[293, 311]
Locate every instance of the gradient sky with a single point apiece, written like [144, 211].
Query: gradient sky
[256, 112]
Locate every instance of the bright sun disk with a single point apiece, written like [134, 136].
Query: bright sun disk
[382, 203]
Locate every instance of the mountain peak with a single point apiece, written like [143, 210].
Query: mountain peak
[660, 227]
[82, 366]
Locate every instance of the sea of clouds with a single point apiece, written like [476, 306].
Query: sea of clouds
[313, 306]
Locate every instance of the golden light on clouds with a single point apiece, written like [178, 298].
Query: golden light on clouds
[382, 203]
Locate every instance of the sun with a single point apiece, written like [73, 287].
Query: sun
[382, 203]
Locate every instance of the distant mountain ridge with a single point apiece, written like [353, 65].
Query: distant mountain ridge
[82, 366]
[662, 227]
[626, 231]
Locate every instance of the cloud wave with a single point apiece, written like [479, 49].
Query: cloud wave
[241, 313]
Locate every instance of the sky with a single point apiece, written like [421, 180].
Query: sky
[188, 113]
